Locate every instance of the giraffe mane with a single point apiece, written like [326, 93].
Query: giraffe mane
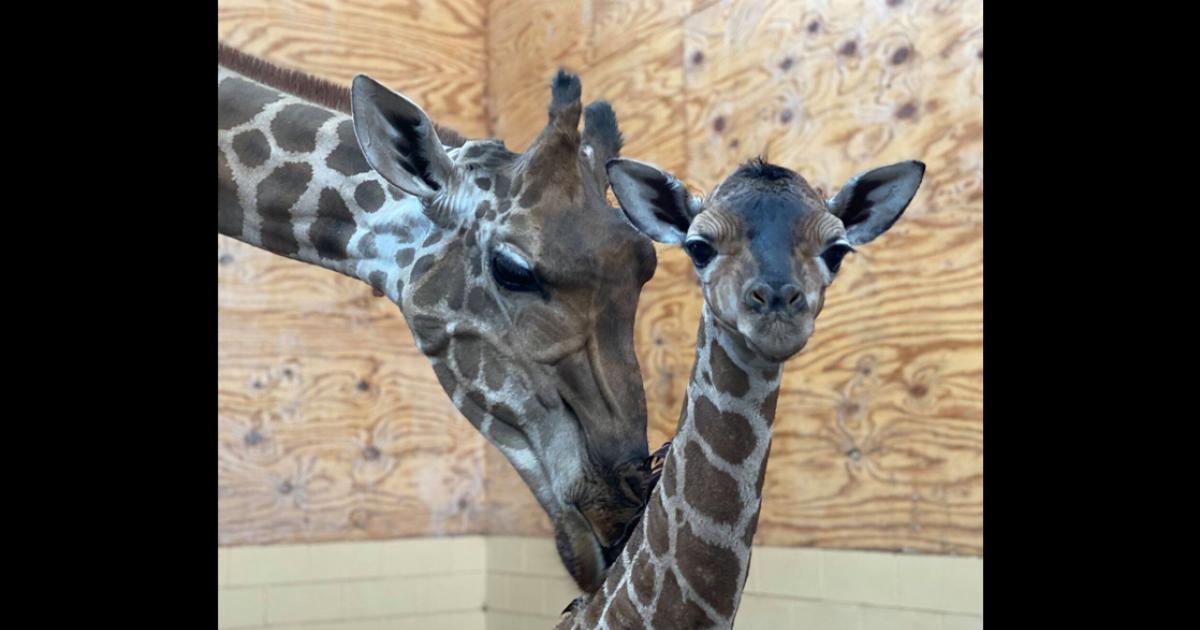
[304, 85]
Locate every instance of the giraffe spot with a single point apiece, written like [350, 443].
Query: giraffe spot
[635, 538]
[432, 239]
[468, 352]
[502, 186]
[330, 233]
[469, 239]
[656, 527]
[702, 482]
[421, 267]
[483, 208]
[366, 247]
[729, 434]
[533, 191]
[708, 569]
[445, 376]
[786, 64]
[813, 26]
[239, 100]
[477, 407]
[900, 56]
[404, 257]
[621, 612]
[718, 124]
[849, 48]
[504, 434]
[493, 373]
[430, 334]
[727, 376]
[276, 196]
[377, 280]
[768, 406]
[477, 268]
[396, 193]
[400, 287]
[505, 414]
[446, 280]
[295, 127]
[504, 206]
[229, 210]
[251, 148]
[673, 611]
[906, 111]
[347, 158]
[643, 581]
[473, 151]
[484, 183]
[369, 195]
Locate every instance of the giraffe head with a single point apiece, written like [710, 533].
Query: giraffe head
[764, 243]
[523, 295]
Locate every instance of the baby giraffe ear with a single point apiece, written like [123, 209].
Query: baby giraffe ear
[872, 201]
[398, 139]
[654, 201]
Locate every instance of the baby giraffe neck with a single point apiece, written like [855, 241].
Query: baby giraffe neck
[686, 563]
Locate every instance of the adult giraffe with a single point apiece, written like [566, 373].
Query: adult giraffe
[765, 247]
[517, 279]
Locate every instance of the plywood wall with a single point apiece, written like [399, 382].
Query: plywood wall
[879, 438]
[330, 423]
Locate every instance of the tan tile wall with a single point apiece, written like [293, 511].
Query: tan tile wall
[788, 587]
[517, 583]
[407, 584]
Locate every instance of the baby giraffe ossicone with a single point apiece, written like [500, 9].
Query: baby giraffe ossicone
[765, 246]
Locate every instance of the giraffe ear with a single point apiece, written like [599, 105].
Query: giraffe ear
[871, 202]
[653, 200]
[398, 139]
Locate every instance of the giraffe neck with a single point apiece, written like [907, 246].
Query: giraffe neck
[292, 180]
[686, 562]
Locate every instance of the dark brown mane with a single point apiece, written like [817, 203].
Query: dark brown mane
[305, 86]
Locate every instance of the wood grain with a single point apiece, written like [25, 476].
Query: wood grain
[330, 424]
[880, 431]
[879, 439]
[433, 51]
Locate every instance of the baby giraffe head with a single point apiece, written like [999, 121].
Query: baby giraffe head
[764, 243]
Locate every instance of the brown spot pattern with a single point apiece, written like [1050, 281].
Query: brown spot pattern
[726, 375]
[730, 435]
[711, 492]
[295, 127]
[709, 569]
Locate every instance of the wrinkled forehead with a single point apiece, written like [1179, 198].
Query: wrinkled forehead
[765, 202]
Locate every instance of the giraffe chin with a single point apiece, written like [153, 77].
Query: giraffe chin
[579, 549]
[778, 340]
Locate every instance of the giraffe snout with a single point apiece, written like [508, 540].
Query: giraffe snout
[772, 297]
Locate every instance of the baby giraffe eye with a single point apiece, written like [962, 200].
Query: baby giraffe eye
[700, 251]
[833, 255]
[513, 274]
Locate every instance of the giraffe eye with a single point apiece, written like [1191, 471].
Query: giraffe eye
[834, 254]
[701, 252]
[513, 274]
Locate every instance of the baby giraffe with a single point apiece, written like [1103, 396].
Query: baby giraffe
[765, 247]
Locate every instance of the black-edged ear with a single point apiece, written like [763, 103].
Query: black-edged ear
[654, 201]
[872, 201]
[398, 139]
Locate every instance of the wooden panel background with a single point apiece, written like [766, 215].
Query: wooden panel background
[879, 442]
[330, 423]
